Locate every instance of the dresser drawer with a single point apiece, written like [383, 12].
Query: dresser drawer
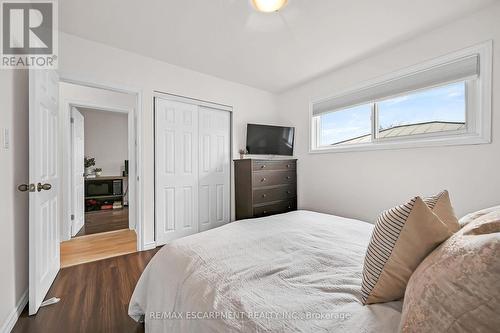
[263, 178]
[276, 208]
[274, 165]
[274, 194]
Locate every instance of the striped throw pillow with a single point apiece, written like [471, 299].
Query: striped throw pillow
[401, 239]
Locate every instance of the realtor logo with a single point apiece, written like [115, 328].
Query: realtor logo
[29, 34]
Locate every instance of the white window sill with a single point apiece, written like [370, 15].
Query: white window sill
[441, 141]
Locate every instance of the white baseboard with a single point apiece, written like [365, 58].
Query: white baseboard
[149, 246]
[8, 325]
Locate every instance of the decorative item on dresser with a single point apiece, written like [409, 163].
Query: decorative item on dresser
[265, 187]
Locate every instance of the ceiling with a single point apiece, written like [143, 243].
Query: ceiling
[273, 52]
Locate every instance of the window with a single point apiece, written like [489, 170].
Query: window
[345, 125]
[444, 102]
[440, 109]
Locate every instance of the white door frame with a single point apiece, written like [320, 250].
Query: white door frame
[134, 152]
[213, 105]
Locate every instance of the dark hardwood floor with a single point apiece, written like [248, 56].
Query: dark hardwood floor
[94, 298]
[104, 221]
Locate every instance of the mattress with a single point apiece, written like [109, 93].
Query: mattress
[294, 272]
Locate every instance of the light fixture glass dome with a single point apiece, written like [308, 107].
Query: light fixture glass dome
[269, 6]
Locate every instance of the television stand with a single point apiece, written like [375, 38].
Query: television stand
[104, 202]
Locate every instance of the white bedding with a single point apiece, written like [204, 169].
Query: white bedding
[294, 272]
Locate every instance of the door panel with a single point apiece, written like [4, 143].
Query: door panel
[43, 169]
[78, 185]
[214, 170]
[204, 204]
[169, 194]
[176, 170]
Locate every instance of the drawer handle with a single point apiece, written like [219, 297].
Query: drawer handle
[263, 179]
[264, 195]
[289, 206]
[288, 165]
[288, 192]
[288, 177]
[263, 166]
[264, 212]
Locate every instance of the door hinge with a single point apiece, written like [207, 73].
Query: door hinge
[72, 120]
[72, 217]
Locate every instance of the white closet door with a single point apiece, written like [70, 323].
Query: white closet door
[214, 168]
[176, 167]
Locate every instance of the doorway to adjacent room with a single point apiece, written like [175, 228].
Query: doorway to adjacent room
[100, 197]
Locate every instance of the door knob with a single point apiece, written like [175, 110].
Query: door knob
[41, 186]
[26, 187]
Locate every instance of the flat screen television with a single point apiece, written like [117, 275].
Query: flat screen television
[270, 140]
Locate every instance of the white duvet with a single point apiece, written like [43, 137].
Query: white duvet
[294, 272]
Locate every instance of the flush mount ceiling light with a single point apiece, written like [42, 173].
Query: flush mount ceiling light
[269, 6]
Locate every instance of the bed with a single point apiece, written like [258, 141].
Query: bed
[293, 272]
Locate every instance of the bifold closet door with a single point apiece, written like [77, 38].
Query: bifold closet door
[176, 170]
[214, 168]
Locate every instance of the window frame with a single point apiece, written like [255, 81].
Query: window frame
[477, 114]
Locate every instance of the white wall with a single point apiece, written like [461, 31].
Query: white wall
[13, 204]
[362, 184]
[106, 139]
[93, 62]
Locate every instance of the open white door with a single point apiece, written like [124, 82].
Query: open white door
[44, 199]
[78, 180]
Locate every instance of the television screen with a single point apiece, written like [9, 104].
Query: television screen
[270, 140]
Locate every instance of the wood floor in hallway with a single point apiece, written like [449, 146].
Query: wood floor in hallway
[94, 247]
[104, 221]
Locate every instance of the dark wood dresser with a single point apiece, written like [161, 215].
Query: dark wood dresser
[265, 187]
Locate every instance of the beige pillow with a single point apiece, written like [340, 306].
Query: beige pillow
[457, 287]
[402, 238]
[440, 204]
[475, 215]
